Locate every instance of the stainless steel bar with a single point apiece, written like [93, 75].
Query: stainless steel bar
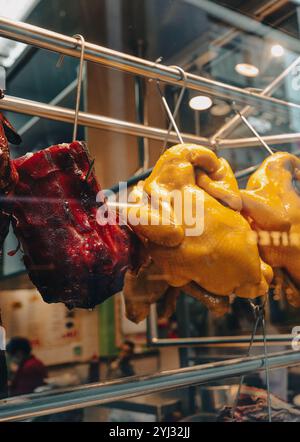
[237, 143]
[102, 393]
[246, 172]
[91, 120]
[59, 113]
[219, 340]
[231, 124]
[43, 38]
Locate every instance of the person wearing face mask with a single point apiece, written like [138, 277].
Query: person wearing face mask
[27, 372]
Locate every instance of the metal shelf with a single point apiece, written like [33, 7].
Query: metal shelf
[43, 38]
[53, 41]
[25, 407]
[59, 113]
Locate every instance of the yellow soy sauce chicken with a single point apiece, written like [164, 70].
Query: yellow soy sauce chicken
[206, 249]
[271, 203]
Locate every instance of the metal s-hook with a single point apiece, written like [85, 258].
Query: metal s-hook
[169, 113]
[167, 108]
[259, 316]
[80, 40]
[183, 75]
[246, 122]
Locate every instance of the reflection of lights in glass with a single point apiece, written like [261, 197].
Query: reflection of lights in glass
[277, 50]
[248, 70]
[220, 108]
[200, 102]
[260, 124]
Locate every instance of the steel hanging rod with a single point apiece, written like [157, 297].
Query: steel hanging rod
[103, 393]
[58, 113]
[237, 143]
[53, 41]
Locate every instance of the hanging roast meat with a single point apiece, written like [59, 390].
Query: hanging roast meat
[271, 202]
[70, 258]
[219, 260]
[8, 173]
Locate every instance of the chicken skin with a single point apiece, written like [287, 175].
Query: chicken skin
[271, 203]
[203, 244]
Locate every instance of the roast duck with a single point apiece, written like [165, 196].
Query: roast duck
[69, 257]
[221, 260]
[271, 203]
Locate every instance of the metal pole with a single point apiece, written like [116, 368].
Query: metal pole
[58, 113]
[237, 143]
[43, 38]
[102, 393]
[221, 341]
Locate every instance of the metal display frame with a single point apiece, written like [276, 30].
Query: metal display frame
[63, 44]
[96, 394]
[210, 341]
[41, 404]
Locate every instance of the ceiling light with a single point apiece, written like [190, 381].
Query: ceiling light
[248, 70]
[277, 50]
[200, 102]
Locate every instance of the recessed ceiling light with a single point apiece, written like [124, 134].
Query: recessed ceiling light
[277, 50]
[200, 102]
[248, 70]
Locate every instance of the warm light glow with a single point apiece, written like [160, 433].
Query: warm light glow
[220, 108]
[201, 102]
[248, 70]
[277, 50]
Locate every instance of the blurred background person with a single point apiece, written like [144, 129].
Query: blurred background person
[26, 371]
[121, 366]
